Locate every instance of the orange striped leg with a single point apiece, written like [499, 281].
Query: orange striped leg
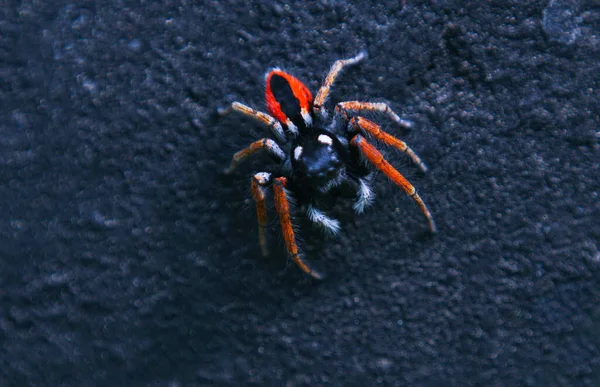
[261, 117]
[283, 210]
[333, 73]
[373, 107]
[366, 126]
[264, 143]
[376, 158]
[259, 180]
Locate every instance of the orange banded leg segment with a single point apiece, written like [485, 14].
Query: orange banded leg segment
[333, 73]
[282, 206]
[376, 158]
[374, 107]
[258, 181]
[264, 118]
[369, 127]
[264, 143]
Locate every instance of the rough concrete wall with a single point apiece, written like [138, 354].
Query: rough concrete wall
[127, 259]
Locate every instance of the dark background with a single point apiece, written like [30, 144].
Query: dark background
[127, 259]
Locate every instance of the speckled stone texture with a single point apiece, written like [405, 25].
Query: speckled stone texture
[126, 259]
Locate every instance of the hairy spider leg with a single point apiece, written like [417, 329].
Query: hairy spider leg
[283, 210]
[373, 107]
[361, 124]
[264, 118]
[333, 73]
[264, 143]
[379, 162]
[258, 181]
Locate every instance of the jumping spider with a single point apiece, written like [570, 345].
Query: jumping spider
[317, 153]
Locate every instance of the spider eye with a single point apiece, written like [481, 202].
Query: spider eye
[325, 139]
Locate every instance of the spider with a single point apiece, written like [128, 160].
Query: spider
[317, 153]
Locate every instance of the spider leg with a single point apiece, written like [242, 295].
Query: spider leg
[283, 210]
[264, 143]
[376, 158]
[333, 73]
[330, 225]
[364, 196]
[261, 117]
[360, 124]
[342, 107]
[258, 181]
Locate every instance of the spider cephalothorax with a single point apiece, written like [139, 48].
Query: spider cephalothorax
[317, 152]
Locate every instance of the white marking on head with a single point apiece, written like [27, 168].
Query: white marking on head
[298, 152]
[307, 118]
[328, 224]
[325, 139]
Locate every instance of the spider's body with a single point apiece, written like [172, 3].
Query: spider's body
[318, 152]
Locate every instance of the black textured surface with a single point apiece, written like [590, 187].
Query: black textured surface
[126, 259]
